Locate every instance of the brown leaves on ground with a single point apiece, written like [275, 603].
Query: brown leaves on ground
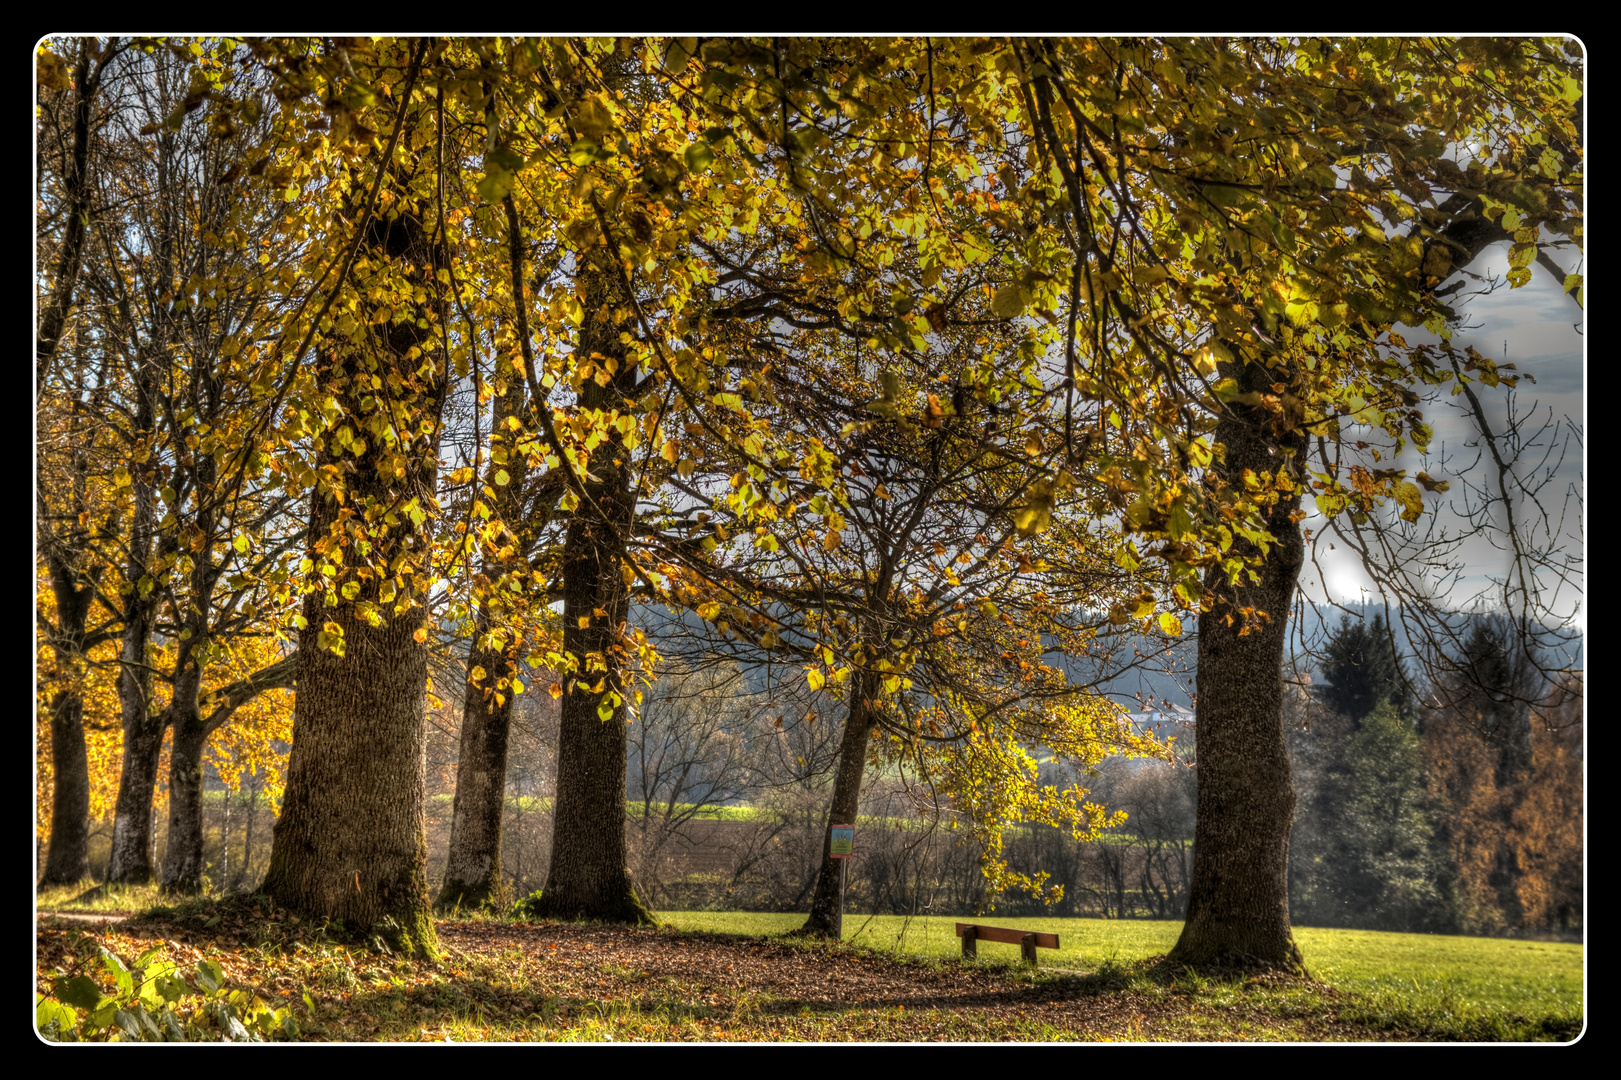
[524, 982]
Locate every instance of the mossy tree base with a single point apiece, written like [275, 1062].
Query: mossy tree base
[1238, 950]
[472, 896]
[620, 905]
[819, 929]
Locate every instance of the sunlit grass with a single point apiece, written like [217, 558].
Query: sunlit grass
[88, 897]
[1085, 944]
[1441, 977]
[1492, 972]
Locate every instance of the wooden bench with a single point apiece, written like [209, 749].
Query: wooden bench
[1028, 943]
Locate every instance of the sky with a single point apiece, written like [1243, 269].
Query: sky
[1541, 328]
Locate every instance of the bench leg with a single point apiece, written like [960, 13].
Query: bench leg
[1027, 949]
[970, 937]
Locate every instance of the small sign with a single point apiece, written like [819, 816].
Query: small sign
[844, 842]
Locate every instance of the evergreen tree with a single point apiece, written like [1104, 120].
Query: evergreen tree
[1363, 670]
[1375, 865]
[1501, 682]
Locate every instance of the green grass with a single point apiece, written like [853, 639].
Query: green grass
[1457, 987]
[1086, 943]
[1491, 972]
[90, 898]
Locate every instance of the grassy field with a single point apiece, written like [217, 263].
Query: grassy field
[1440, 971]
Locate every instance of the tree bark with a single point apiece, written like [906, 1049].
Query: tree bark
[130, 862]
[473, 876]
[1238, 902]
[247, 839]
[473, 869]
[183, 857]
[68, 858]
[350, 845]
[826, 910]
[183, 854]
[588, 878]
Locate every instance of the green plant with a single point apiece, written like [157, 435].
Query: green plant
[150, 1001]
[527, 907]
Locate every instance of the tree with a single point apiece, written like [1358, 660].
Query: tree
[66, 168]
[588, 876]
[907, 588]
[1378, 867]
[1363, 670]
[1167, 176]
[349, 844]
[1511, 835]
[473, 870]
[64, 624]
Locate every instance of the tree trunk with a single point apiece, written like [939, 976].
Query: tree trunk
[473, 875]
[1238, 902]
[825, 919]
[473, 869]
[183, 853]
[183, 857]
[588, 878]
[247, 839]
[68, 860]
[131, 860]
[350, 845]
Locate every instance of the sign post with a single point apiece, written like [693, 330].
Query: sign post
[842, 846]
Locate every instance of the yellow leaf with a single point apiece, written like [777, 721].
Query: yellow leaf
[1411, 499]
[814, 678]
[1170, 624]
[1033, 519]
